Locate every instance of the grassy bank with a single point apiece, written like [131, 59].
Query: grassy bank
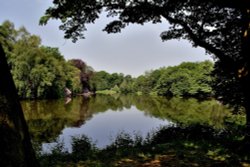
[172, 146]
[106, 92]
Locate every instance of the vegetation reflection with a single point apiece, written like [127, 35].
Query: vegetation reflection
[47, 118]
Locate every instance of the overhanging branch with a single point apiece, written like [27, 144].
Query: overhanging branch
[227, 61]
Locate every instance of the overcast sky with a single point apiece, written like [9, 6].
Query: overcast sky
[136, 50]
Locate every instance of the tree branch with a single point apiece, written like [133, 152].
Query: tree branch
[199, 42]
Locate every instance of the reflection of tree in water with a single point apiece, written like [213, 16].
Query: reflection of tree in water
[179, 110]
[46, 119]
[184, 111]
[84, 113]
[102, 103]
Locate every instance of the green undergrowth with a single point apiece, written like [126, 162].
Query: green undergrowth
[169, 146]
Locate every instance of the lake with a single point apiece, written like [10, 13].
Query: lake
[103, 117]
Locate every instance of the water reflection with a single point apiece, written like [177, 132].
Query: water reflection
[102, 117]
[104, 127]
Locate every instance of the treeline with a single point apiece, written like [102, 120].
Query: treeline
[42, 72]
[187, 79]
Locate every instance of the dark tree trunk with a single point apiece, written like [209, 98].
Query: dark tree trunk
[245, 70]
[246, 104]
[15, 145]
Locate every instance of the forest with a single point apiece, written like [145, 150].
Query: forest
[41, 72]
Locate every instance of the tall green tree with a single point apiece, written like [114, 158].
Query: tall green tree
[147, 82]
[102, 80]
[7, 36]
[186, 79]
[127, 85]
[38, 71]
[221, 27]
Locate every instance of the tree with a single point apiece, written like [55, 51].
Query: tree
[115, 79]
[221, 27]
[7, 36]
[126, 86]
[147, 82]
[38, 71]
[102, 80]
[186, 79]
[15, 144]
[84, 75]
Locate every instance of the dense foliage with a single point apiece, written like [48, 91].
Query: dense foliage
[187, 79]
[102, 80]
[38, 71]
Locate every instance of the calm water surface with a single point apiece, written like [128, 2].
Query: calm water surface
[103, 117]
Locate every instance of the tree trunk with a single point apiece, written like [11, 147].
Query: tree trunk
[15, 145]
[246, 104]
[245, 70]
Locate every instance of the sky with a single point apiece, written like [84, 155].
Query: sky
[134, 51]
